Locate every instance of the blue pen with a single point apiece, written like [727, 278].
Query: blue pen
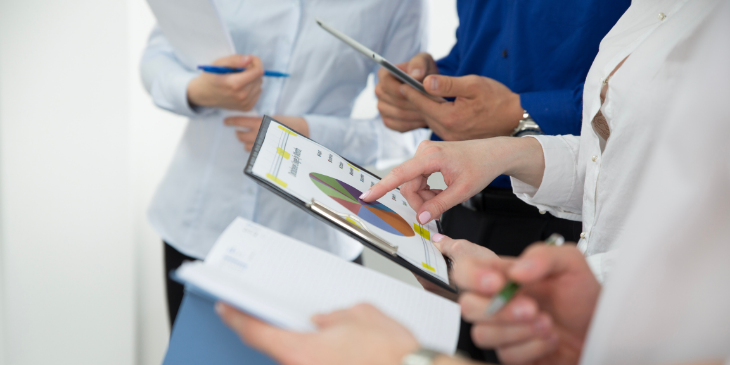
[228, 70]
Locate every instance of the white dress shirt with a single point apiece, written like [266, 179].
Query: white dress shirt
[204, 188]
[667, 300]
[582, 180]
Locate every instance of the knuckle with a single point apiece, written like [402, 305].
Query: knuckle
[439, 205]
[379, 91]
[231, 84]
[432, 148]
[479, 334]
[425, 144]
[398, 171]
[457, 245]
[450, 120]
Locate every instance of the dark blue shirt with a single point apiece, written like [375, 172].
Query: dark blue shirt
[540, 49]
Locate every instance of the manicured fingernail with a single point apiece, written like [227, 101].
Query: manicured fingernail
[416, 72]
[365, 194]
[245, 58]
[434, 83]
[424, 217]
[437, 237]
[219, 308]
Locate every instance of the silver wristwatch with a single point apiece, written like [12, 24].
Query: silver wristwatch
[420, 357]
[527, 126]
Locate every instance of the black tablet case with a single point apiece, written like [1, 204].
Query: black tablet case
[278, 191]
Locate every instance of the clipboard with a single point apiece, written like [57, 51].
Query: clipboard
[349, 224]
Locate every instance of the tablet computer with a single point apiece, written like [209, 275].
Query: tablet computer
[328, 186]
[398, 73]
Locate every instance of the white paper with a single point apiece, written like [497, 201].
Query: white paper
[285, 282]
[301, 166]
[195, 29]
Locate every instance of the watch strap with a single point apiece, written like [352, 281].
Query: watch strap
[526, 126]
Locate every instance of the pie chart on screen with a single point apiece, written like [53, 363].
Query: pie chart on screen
[374, 213]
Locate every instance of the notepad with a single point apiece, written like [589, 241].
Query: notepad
[195, 29]
[284, 282]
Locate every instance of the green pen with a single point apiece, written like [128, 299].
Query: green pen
[511, 287]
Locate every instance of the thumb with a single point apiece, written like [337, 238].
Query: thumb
[331, 319]
[417, 66]
[540, 261]
[448, 86]
[233, 61]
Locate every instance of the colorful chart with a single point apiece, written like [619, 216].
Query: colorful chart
[374, 213]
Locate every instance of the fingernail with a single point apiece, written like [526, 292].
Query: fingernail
[437, 237]
[487, 282]
[365, 194]
[416, 72]
[245, 58]
[520, 312]
[434, 83]
[523, 265]
[402, 90]
[219, 308]
[424, 217]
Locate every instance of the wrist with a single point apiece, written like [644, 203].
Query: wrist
[514, 110]
[194, 94]
[521, 155]
[525, 160]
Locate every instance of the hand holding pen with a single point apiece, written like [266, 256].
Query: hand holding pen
[233, 91]
[546, 319]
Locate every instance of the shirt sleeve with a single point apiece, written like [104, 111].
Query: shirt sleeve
[166, 78]
[561, 190]
[555, 111]
[450, 64]
[369, 142]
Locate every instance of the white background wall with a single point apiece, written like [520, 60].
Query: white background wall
[82, 149]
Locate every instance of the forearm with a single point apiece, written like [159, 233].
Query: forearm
[165, 77]
[524, 160]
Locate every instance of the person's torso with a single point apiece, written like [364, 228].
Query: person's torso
[205, 188]
[530, 45]
[654, 35]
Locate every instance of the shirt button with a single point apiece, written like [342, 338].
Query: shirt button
[661, 16]
[542, 211]
[594, 158]
[582, 235]
[504, 53]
